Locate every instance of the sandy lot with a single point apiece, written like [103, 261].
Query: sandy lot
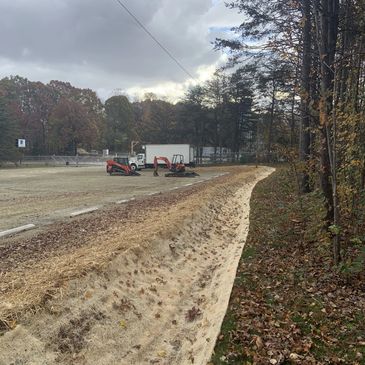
[143, 283]
[42, 195]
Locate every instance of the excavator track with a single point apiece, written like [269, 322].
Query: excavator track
[181, 174]
[123, 173]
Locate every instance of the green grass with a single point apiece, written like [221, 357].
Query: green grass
[225, 345]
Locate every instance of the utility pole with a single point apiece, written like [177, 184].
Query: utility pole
[133, 144]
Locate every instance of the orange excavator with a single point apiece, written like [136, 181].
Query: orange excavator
[120, 165]
[176, 167]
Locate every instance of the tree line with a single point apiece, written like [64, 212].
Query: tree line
[319, 45]
[249, 109]
[57, 118]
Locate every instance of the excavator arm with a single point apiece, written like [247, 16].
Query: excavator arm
[155, 164]
[164, 159]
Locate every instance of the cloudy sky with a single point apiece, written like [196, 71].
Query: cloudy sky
[96, 44]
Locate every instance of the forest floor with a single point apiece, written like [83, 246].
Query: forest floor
[145, 282]
[289, 305]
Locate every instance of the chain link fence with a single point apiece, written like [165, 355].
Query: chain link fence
[62, 160]
[226, 158]
[53, 160]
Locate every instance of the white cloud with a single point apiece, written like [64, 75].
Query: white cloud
[174, 91]
[96, 44]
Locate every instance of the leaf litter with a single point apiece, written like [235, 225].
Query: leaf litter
[289, 305]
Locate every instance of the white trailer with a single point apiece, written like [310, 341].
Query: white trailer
[168, 150]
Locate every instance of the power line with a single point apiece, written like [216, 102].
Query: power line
[155, 39]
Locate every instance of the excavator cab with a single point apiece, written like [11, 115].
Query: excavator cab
[122, 160]
[177, 159]
[177, 164]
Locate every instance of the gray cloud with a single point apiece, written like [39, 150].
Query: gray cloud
[97, 44]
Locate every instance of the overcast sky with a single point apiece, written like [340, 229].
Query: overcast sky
[96, 44]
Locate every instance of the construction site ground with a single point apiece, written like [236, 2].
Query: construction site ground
[46, 194]
[143, 282]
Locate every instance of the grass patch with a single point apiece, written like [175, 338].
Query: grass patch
[227, 351]
[248, 253]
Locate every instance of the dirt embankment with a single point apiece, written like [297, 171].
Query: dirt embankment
[144, 284]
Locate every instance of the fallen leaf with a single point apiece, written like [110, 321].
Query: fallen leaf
[259, 343]
[161, 353]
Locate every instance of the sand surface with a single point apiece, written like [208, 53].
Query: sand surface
[145, 284]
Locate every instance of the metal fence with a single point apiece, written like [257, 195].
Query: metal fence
[54, 160]
[62, 160]
[226, 158]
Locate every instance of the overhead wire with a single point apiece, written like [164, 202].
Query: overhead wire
[181, 66]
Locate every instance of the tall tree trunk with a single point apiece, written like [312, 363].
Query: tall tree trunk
[327, 29]
[271, 121]
[305, 97]
[325, 174]
[238, 138]
[292, 120]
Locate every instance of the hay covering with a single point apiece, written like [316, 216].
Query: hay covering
[27, 285]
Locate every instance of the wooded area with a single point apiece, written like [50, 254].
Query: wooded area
[58, 118]
[319, 46]
[299, 290]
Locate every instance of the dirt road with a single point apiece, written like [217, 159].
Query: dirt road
[147, 283]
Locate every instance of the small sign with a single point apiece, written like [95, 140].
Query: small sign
[21, 143]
